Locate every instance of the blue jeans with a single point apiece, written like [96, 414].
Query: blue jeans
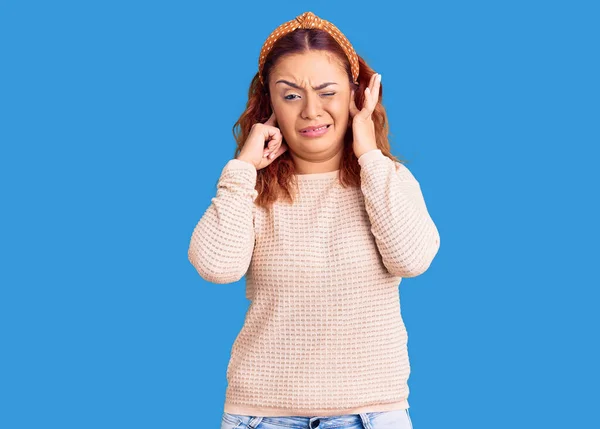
[399, 419]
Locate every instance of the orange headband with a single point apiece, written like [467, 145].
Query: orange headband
[309, 20]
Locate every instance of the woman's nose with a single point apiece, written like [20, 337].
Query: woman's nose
[312, 106]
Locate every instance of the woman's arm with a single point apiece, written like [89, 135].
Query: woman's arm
[405, 234]
[222, 243]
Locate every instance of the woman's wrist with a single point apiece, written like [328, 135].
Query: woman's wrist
[243, 158]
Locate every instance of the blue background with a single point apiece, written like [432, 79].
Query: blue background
[116, 121]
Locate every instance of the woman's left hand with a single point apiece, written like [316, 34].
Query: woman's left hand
[363, 128]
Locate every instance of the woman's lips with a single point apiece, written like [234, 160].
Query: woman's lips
[315, 133]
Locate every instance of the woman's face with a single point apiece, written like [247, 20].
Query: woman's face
[311, 89]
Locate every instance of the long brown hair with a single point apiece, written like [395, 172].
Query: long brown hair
[277, 179]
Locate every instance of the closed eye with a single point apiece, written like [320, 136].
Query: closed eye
[294, 95]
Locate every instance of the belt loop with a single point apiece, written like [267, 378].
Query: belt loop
[366, 421]
[254, 422]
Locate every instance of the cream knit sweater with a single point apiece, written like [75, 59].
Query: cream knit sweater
[323, 335]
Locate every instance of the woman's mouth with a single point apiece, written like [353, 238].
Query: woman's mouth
[318, 132]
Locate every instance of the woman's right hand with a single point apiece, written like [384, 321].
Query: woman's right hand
[254, 150]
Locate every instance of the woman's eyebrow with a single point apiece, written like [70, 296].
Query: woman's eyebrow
[316, 88]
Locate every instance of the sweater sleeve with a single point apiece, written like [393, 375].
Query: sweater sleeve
[404, 232]
[222, 242]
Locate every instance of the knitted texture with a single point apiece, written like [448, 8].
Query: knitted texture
[323, 335]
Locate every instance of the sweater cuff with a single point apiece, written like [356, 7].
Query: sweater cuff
[238, 163]
[239, 176]
[370, 155]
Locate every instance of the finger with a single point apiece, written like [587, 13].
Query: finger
[269, 150]
[274, 136]
[270, 153]
[266, 151]
[281, 149]
[372, 93]
[370, 85]
[372, 81]
[271, 135]
[276, 139]
[271, 131]
[367, 101]
[376, 89]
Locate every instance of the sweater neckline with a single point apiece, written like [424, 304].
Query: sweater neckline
[316, 176]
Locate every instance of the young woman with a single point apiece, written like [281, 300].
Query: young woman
[324, 222]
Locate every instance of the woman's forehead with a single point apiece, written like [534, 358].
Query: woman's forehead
[298, 67]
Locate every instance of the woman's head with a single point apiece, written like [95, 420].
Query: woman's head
[311, 88]
[308, 58]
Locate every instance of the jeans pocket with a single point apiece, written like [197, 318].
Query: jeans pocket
[238, 421]
[396, 419]
[230, 421]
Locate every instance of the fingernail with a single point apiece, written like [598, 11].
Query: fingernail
[378, 77]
